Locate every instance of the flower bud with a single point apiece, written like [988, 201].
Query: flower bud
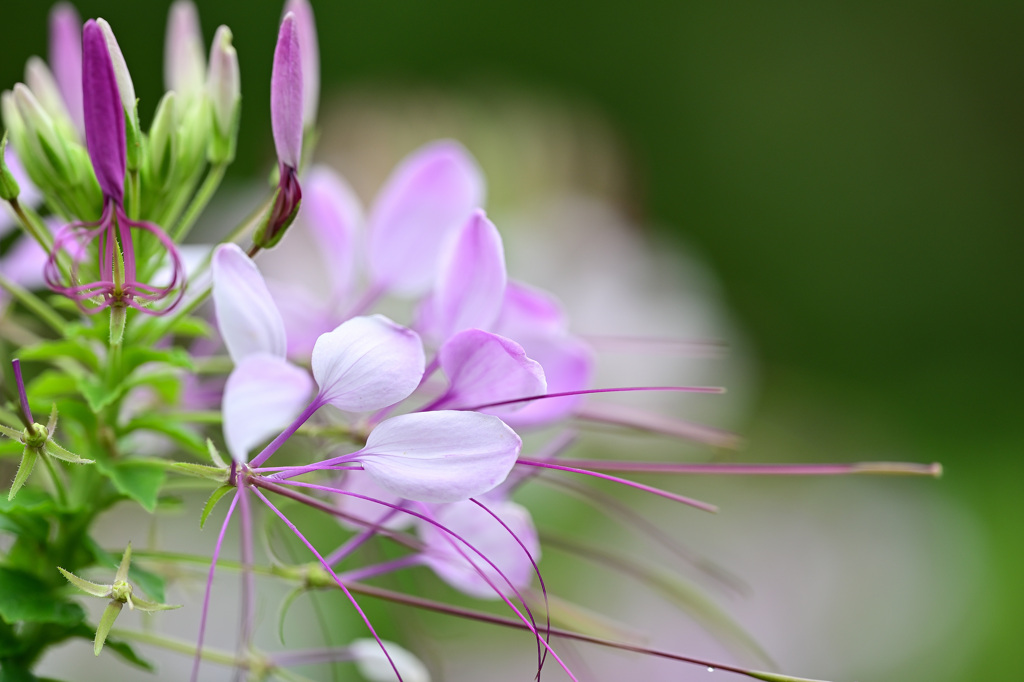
[161, 157]
[126, 89]
[43, 85]
[9, 188]
[184, 62]
[223, 87]
[42, 139]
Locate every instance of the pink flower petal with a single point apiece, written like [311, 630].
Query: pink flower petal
[450, 559]
[309, 50]
[568, 366]
[429, 194]
[263, 395]
[444, 456]
[367, 363]
[184, 58]
[361, 483]
[248, 320]
[470, 286]
[529, 312]
[104, 117]
[286, 94]
[486, 368]
[65, 57]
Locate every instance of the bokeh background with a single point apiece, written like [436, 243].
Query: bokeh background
[852, 174]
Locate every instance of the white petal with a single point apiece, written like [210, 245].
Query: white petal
[374, 665]
[483, 531]
[367, 363]
[443, 456]
[248, 320]
[263, 395]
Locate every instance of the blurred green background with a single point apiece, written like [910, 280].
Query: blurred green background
[854, 172]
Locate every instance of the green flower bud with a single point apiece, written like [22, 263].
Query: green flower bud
[223, 87]
[41, 82]
[42, 138]
[9, 188]
[162, 143]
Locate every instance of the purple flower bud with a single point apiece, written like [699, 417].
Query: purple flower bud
[104, 116]
[309, 51]
[125, 87]
[66, 58]
[286, 95]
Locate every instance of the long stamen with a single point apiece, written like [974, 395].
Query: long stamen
[716, 390]
[209, 588]
[337, 580]
[632, 484]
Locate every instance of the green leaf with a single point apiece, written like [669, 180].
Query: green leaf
[140, 355]
[52, 384]
[30, 501]
[212, 501]
[61, 348]
[26, 599]
[141, 481]
[175, 430]
[98, 394]
[192, 326]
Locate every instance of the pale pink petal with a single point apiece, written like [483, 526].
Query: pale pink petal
[568, 366]
[375, 666]
[470, 285]
[306, 315]
[320, 251]
[184, 58]
[248, 320]
[263, 395]
[486, 368]
[444, 456]
[429, 195]
[450, 559]
[367, 363]
[528, 312]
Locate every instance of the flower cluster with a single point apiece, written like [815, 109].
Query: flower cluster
[410, 434]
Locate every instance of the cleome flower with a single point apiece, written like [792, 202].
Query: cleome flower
[118, 285]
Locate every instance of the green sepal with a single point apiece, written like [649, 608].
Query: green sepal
[13, 434]
[200, 471]
[212, 501]
[214, 453]
[87, 586]
[28, 462]
[106, 622]
[9, 188]
[147, 606]
[53, 450]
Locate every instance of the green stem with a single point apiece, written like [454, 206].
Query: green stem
[43, 311]
[58, 482]
[33, 225]
[180, 646]
[199, 201]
